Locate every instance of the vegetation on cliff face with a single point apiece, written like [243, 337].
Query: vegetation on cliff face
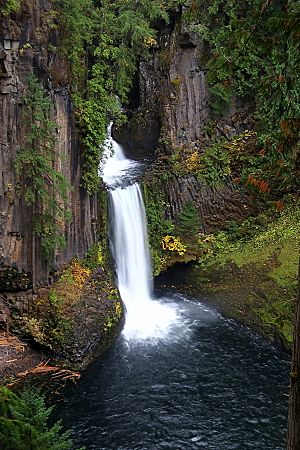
[253, 52]
[43, 186]
[93, 48]
[103, 43]
[171, 241]
[158, 225]
[266, 259]
[250, 54]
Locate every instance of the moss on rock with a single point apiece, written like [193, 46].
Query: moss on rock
[254, 280]
[249, 272]
[78, 317]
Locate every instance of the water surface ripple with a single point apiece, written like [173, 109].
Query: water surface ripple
[209, 383]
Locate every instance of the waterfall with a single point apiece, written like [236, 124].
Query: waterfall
[129, 245]
[145, 317]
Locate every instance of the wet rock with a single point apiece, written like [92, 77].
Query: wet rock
[94, 321]
[139, 137]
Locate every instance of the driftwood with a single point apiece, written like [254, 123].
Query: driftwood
[12, 341]
[55, 372]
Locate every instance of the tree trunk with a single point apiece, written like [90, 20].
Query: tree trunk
[293, 437]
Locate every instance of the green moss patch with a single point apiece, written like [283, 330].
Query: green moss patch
[78, 317]
[254, 279]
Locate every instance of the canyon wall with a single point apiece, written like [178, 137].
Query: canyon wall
[27, 42]
[174, 116]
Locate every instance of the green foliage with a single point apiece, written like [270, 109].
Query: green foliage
[53, 298]
[104, 43]
[220, 99]
[158, 225]
[188, 222]
[214, 165]
[76, 33]
[236, 158]
[94, 257]
[254, 51]
[224, 158]
[43, 186]
[10, 6]
[51, 330]
[24, 423]
[256, 239]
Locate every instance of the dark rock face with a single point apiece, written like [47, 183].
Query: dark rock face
[24, 49]
[173, 84]
[139, 141]
[216, 206]
[97, 319]
[173, 113]
[172, 94]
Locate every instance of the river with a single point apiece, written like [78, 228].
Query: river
[210, 383]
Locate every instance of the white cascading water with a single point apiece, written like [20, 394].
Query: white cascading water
[145, 317]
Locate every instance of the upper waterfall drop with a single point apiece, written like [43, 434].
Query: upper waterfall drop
[115, 169]
[145, 317]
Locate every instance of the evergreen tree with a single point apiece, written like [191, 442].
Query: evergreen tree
[189, 222]
[24, 423]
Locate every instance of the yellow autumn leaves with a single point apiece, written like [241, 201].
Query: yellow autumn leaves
[173, 244]
[150, 42]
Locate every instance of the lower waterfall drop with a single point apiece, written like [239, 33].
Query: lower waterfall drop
[145, 317]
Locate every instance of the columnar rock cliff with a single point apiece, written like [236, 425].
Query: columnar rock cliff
[26, 46]
[174, 114]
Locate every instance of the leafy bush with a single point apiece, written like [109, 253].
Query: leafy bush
[214, 165]
[10, 6]
[94, 258]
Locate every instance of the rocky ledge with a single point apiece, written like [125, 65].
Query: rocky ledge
[71, 323]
